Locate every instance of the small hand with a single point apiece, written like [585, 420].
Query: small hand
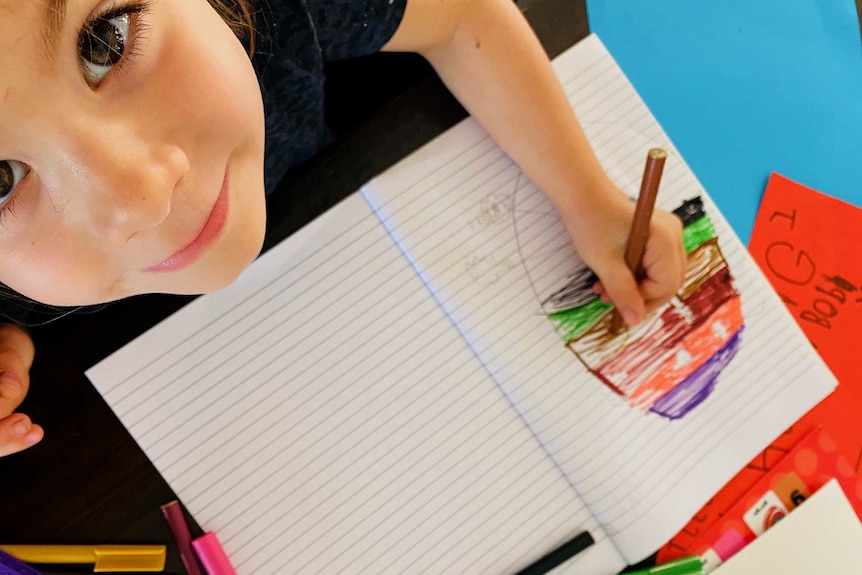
[600, 235]
[17, 432]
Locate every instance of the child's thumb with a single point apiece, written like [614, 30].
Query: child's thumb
[622, 289]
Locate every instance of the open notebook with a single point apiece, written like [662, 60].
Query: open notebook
[416, 382]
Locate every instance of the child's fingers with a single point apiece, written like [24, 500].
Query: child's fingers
[16, 356]
[657, 293]
[652, 305]
[618, 284]
[665, 274]
[11, 386]
[12, 392]
[14, 382]
[599, 290]
[17, 433]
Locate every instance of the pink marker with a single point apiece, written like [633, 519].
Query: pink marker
[212, 555]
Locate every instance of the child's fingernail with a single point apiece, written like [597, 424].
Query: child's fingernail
[32, 437]
[10, 385]
[20, 428]
[630, 317]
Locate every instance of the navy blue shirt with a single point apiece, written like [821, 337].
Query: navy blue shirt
[294, 39]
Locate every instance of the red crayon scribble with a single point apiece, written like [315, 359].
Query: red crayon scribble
[652, 365]
[709, 335]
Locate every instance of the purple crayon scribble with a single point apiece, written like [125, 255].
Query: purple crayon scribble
[695, 388]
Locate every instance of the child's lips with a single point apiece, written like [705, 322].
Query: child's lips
[209, 233]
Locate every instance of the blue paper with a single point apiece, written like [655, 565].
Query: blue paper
[747, 87]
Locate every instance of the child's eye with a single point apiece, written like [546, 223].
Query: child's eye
[11, 174]
[105, 41]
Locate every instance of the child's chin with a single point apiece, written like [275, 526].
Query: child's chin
[227, 272]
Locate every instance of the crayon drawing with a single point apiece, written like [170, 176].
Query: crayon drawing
[671, 362]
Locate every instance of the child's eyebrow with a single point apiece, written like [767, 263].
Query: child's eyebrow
[54, 19]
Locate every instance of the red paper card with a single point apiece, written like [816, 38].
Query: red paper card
[809, 246]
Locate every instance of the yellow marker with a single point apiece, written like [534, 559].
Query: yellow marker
[115, 558]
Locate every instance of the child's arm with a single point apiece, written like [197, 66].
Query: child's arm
[16, 356]
[488, 56]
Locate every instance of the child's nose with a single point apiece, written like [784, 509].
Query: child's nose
[133, 185]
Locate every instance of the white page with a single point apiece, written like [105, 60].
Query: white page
[322, 415]
[490, 246]
[822, 536]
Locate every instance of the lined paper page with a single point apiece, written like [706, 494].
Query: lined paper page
[322, 415]
[489, 244]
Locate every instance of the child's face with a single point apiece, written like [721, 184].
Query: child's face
[116, 137]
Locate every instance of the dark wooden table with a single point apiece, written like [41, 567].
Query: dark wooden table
[88, 482]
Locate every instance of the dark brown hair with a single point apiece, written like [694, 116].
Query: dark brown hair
[238, 15]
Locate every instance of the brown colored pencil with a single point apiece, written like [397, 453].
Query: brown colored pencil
[639, 232]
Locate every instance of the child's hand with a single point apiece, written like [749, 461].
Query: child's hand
[600, 233]
[17, 432]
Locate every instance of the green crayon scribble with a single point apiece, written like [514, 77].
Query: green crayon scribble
[697, 233]
[572, 323]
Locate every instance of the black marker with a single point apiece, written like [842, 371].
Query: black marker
[559, 555]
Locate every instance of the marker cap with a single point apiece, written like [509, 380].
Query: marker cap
[212, 555]
[687, 566]
[130, 558]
